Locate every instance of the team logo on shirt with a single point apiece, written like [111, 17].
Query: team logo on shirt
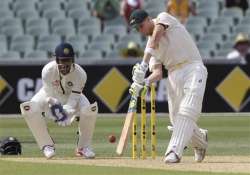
[70, 84]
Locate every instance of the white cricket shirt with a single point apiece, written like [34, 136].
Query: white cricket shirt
[176, 45]
[61, 86]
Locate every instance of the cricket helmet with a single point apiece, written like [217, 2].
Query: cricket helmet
[10, 146]
[65, 57]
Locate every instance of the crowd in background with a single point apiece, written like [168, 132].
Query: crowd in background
[99, 29]
[109, 9]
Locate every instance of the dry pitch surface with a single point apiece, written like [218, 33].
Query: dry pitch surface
[233, 164]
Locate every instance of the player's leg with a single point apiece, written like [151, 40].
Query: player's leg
[174, 98]
[171, 93]
[189, 111]
[199, 140]
[88, 113]
[32, 113]
[182, 133]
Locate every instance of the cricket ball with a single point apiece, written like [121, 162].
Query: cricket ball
[112, 138]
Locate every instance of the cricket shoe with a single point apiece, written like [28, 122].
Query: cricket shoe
[85, 152]
[49, 151]
[171, 158]
[200, 153]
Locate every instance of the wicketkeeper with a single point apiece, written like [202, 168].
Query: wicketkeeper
[170, 45]
[61, 99]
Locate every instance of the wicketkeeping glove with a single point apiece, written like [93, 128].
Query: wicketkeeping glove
[137, 90]
[57, 113]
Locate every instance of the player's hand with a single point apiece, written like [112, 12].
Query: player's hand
[137, 90]
[59, 115]
[138, 73]
[69, 110]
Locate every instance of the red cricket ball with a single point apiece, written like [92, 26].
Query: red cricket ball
[112, 138]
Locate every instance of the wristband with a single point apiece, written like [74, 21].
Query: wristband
[150, 50]
[144, 65]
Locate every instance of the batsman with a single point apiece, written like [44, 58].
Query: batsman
[61, 99]
[170, 45]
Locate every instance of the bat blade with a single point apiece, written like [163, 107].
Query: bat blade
[127, 126]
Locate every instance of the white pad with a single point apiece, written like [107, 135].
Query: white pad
[182, 133]
[87, 125]
[191, 106]
[91, 109]
[32, 115]
[197, 140]
[194, 89]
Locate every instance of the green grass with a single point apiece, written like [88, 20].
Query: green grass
[227, 136]
[57, 169]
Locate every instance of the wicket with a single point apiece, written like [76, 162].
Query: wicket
[143, 136]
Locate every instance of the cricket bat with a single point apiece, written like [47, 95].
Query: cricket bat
[127, 126]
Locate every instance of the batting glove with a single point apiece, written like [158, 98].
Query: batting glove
[138, 73]
[137, 90]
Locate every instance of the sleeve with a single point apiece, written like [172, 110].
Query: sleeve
[80, 80]
[163, 19]
[46, 79]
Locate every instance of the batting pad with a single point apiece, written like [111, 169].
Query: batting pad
[182, 133]
[86, 130]
[87, 125]
[36, 124]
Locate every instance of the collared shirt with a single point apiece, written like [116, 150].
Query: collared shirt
[59, 86]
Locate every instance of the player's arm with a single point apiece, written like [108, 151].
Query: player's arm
[154, 41]
[77, 89]
[155, 76]
[72, 102]
[140, 70]
[46, 79]
[70, 106]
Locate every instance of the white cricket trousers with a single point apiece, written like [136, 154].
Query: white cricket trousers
[185, 90]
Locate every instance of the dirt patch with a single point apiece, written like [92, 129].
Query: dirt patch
[233, 164]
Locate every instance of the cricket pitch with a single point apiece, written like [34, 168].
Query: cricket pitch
[229, 164]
